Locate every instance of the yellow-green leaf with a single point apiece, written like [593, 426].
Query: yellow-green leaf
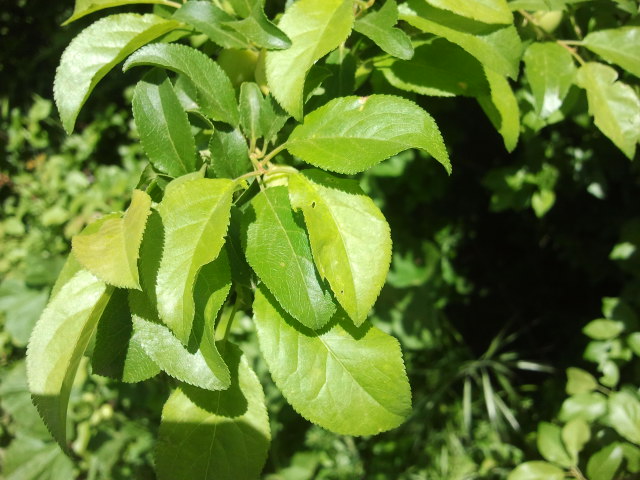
[502, 109]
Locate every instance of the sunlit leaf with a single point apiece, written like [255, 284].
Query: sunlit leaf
[580, 381]
[486, 11]
[502, 109]
[205, 17]
[379, 27]
[604, 464]
[624, 415]
[258, 29]
[618, 45]
[85, 7]
[536, 471]
[229, 152]
[575, 434]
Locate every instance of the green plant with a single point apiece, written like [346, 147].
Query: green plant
[225, 218]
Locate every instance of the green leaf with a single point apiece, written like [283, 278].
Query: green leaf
[580, 381]
[229, 152]
[352, 385]
[85, 7]
[501, 106]
[33, 459]
[498, 48]
[486, 11]
[575, 434]
[588, 406]
[57, 344]
[258, 29]
[378, 26]
[350, 238]
[352, 134]
[216, 95]
[632, 454]
[438, 68]
[550, 444]
[272, 118]
[109, 247]
[89, 57]
[614, 105]
[168, 353]
[604, 464]
[195, 215]
[243, 8]
[70, 268]
[205, 17]
[115, 353]
[536, 471]
[251, 101]
[550, 71]
[315, 27]
[163, 125]
[633, 340]
[215, 435]
[21, 307]
[619, 45]
[277, 248]
[603, 329]
[624, 415]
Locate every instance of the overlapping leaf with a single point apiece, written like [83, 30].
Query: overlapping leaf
[57, 344]
[614, 105]
[258, 28]
[216, 96]
[536, 471]
[163, 126]
[486, 11]
[277, 248]
[229, 152]
[89, 57]
[315, 27]
[351, 134]
[251, 101]
[195, 216]
[624, 415]
[349, 385]
[210, 20]
[215, 435]
[502, 109]
[619, 45]
[350, 238]
[86, 7]
[379, 27]
[109, 247]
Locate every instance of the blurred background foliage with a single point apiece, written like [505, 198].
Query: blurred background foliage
[514, 289]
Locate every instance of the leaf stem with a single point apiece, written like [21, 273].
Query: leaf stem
[575, 471]
[169, 3]
[273, 153]
[571, 50]
[226, 320]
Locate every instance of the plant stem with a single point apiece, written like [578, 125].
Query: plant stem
[226, 320]
[169, 3]
[274, 152]
[571, 50]
[575, 471]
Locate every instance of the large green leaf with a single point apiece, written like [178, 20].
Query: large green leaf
[379, 27]
[195, 216]
[85, 7]
[550, 71]
[614, 105]
[352, 134]
[168, 353]
[210, 20]
[604, 464]
[438, 68]
[216, 95]
[57, 344]
[350, 238]
[536, 471]
[486, 11]
[619, 45]
[277, 248]
[496, 47]
[550, 444]
[163, 126]
[624, 415]
[109, 247]
[215, 435]
[315, 27]
[89, 57]
[349, 384]
[501, 106]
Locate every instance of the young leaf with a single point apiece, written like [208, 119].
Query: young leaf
[603, 329]
[229, 152]
[604, 464]
[575, 434]
[438, 68]
[614, 105]
[251, 101]
[349, 385]
[195, 215]
[352, 134]
[277, 248]
[89, 57]
[624, 415]
[215, 93]
[486, 11]
[272, 118]
[163, 126]
[85, 7]
[550, 444]
[350, 238]
[115, 353]
[580, 381]
[315, 27]
[497, 48]
[215, 435]
[550, 71]
[109, 247]
[207, 18]
[168, 353]
[620, 46]
[257, 28]
[536, 471]
[57, 344]
[502, 109]
[378, 26]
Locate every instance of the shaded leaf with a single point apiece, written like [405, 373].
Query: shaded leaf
[349, 385]
[258, 29]
[501, 106]
[575, 434]
[229, 152]
[351, 134]
[378, 26]
[315, 27]
[251, 101]
[588, 406]
[205, 17]
[85, 7]
[21, 307]
[603, 329]
[89, 57]
[619, 45]
[486, 11]
[604, 464]
[33, 459]
[536, 471]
